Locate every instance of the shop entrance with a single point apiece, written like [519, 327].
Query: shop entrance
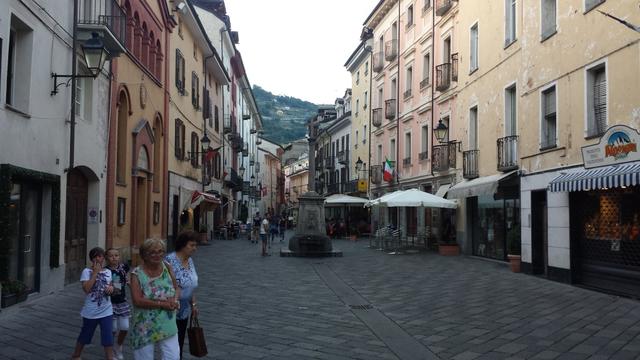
[75, 242]
[25, 213]
[605, 234]
[539, 234]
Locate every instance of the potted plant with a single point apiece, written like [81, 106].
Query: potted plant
[13, 291]
[513, 247]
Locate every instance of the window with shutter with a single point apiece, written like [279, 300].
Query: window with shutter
[596, 101]
[548, 19]
[509, 21]
[549, 118]
[179, 84]
[177, 140]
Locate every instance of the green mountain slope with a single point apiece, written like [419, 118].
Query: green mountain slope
[284, 117]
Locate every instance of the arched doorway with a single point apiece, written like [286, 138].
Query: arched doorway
[75, 241]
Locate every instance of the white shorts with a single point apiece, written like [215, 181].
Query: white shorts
[169, 349]
[120, 323]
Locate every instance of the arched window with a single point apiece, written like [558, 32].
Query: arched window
[144, 56]
[158, 60]
[121, 141]
[137, 35]
[151, 62]
[143, 159]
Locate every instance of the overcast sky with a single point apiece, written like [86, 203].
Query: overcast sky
[298, 47]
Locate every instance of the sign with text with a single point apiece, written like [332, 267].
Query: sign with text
[618, 145]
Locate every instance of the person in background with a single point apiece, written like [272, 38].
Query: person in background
[121, 308]
[97, 309]
[264, 230]
[283, 227]
[273, 228]
[185, 271]
[154, 293]
[257, 222]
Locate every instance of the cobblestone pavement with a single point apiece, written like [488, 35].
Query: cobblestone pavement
[257, 307]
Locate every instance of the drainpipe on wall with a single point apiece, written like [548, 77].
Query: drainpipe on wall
[398, 104]
[433, 81]
[72, 117]
[370, 117]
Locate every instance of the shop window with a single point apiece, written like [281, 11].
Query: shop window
[495, 219]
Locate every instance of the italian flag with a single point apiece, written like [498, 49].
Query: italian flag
[388, 171]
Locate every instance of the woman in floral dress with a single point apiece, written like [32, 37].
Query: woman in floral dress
[154, 294]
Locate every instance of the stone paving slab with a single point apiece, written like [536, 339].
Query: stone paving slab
[255, 307]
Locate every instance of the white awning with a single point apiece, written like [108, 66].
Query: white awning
[442, 190]
[414, 198]
[486, 185]
[599, 178]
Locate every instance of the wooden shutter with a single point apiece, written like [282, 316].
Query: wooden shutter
[176, 140]
[178, 73]
[600, 101]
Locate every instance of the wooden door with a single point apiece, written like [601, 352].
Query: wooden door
[75, 241]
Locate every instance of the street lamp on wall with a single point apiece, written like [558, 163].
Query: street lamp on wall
[241, 171]
[358, 167]
[95, 54]
[441, 131]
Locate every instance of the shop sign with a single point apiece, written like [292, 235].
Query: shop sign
[618, 145]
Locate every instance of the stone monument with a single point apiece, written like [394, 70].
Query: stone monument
[311, 239]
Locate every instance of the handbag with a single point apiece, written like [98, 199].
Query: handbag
[197, 344]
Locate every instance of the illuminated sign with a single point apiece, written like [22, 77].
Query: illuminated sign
[618, 145]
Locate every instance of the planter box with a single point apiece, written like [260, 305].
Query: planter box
[449, 249]
[514, 261]
[9, 299]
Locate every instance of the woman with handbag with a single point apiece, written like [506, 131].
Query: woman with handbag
[182, 265]
[154, 294]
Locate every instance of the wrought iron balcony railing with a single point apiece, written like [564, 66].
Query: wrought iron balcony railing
[391, 50]
[443, 6]
[424, 83]
[443, 76]
[443, 157]
[376, 118]
[508, 153]
[406, 162]
[423, 155]
[407, 94]
[470, 164]
[378, 62]
[390, 109]
[329, 162]
[105, 17]
[343, 157]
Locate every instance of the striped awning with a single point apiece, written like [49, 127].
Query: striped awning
[599, 178]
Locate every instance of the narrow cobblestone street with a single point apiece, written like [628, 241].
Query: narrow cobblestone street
[257, 307]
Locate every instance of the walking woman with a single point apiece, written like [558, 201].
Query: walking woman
[187, 279]
[154, 294]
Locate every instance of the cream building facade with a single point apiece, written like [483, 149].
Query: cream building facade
[196, 80]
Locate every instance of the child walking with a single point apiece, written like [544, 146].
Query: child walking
[121, 308]
[97, 309]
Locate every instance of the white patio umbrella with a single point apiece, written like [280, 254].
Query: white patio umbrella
[414, 198]
[382, 198]
[342, 199]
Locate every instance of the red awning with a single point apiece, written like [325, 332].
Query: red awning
[202, 198]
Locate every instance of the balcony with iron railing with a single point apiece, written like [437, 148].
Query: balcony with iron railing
[378, 62]
[407, 94]
[443, 157]
[470, 164]
[390, 109]
[107, 19]
[406, 162]
[443, 6]
[443, 76]
[391, 50]
[343, 157]
[508, 153]
[329, 162]
[423, 156]
[376, 118]
[424, 83]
